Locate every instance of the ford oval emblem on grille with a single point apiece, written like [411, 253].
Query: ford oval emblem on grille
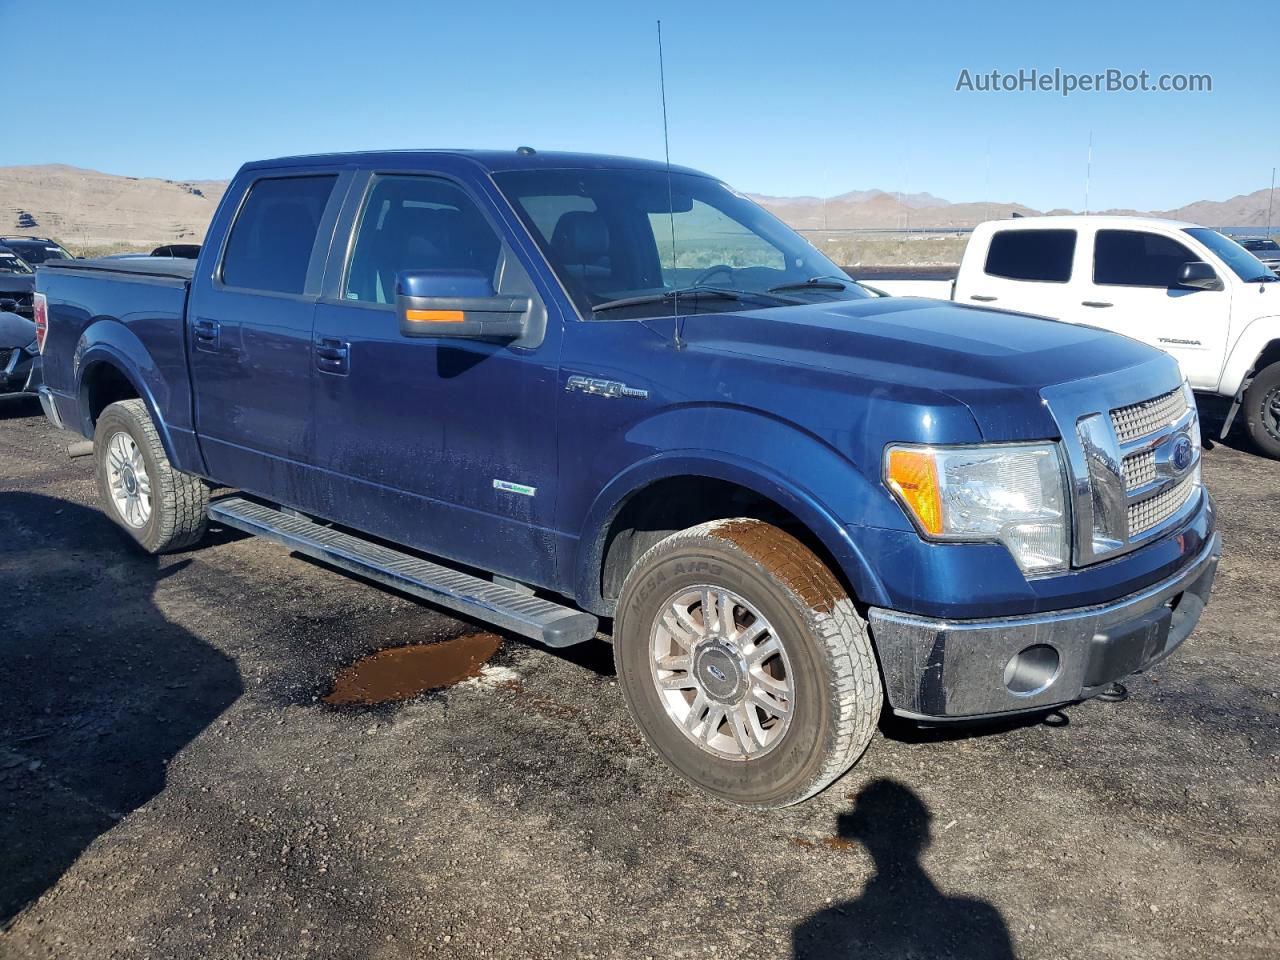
[1182, 453]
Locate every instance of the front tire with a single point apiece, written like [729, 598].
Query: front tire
[160, 508]
[1262, 410]
[745, 664]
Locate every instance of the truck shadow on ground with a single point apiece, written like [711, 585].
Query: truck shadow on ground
[100, 690]
[900, 912]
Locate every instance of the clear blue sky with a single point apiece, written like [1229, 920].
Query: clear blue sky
[812, 98]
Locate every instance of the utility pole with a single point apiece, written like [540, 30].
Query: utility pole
[1271, 199]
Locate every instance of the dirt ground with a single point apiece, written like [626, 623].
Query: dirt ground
[172, 787]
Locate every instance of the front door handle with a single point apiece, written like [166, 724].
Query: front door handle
[1096, 303]
[981, 298]
[332, 355]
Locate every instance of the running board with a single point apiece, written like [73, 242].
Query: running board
[530, 616]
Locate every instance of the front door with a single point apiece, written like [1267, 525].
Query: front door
[446, 445]
[1134, 290]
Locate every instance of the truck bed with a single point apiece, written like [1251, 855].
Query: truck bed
[171, 267]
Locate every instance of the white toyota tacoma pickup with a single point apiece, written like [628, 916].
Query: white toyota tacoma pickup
[1186, 289]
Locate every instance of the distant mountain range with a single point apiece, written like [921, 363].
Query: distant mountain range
[88, 210]
[879, 209]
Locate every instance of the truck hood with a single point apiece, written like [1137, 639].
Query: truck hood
[994, 362]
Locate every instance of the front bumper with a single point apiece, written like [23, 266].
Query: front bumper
[958, 669]
[19, 371]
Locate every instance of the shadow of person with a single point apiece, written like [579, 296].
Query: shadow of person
[901, 913]
[98, 689]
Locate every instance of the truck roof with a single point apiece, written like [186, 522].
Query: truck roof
[1077, 220]
[494, 161]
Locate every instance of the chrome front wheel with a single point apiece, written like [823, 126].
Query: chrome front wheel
[721, 672]
[128, 481]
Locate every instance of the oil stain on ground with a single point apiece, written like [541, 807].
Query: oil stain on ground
[401, 673]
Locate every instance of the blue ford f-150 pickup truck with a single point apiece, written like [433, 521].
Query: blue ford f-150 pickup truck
[546, 389]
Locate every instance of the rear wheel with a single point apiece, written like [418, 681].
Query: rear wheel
[745, 663]
[160, 508]
[1262, 410]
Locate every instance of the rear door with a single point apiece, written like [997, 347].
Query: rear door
[447, 445]
[1133, 289]
[1026, 269]
[250, 320]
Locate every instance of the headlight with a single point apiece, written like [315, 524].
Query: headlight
[1011, 494]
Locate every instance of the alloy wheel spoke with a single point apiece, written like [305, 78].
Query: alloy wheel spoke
[679, 681]
[674, 662]
[715, 717]
[696, 710]
[763, 651]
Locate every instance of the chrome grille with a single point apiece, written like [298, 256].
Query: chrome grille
[1139, 469]
[1143, 419]
[1150, 513]
[1133, 448]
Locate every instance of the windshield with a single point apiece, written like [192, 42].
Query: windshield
[38, 251]
[1242, 263]
[12, 263]
[608, 235]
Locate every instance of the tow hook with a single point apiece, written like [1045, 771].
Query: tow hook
[1115, 693]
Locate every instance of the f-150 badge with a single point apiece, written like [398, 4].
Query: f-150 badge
[604, 388]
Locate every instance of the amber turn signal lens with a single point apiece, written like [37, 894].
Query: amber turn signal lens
[434, 316]
[913, 476]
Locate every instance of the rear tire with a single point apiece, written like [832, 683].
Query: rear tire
[1262, 410]
[776, 696]
[160, 508]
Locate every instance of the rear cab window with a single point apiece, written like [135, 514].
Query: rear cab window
[1041, 256]
[271, 242]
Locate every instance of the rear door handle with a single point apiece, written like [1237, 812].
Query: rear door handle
[1095, 303]
[980, 297]
[332, 355]
[206, 333]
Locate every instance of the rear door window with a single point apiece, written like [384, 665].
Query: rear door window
[1043, 256]
[272, 239]
[417, 223]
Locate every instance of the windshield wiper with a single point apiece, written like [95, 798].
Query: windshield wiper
[816, 283]
[665, 295]
[719, 293]
[1265, 278]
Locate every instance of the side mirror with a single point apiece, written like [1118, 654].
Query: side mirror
[1199, 276]
[457, 303]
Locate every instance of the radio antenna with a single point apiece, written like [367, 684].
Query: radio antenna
[677, 342]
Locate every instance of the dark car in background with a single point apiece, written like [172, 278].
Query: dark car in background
[19, 354]
[17, 282]
[1264, 248]
[36, 250]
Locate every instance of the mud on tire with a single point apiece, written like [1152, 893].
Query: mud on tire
[831, 671]
[176, 508]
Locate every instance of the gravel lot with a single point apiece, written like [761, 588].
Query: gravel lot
[171, 786]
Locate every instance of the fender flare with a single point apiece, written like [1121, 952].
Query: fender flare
[94, 351]
[1249, 346]
[752, 475]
